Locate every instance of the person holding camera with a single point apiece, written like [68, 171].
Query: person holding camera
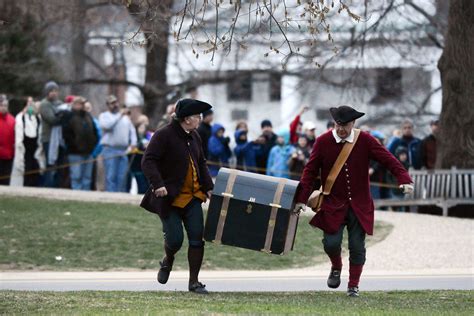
[118, 137]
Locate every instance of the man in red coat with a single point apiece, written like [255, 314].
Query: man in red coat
[349, 203]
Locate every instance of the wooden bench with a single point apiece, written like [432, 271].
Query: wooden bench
[443, 188]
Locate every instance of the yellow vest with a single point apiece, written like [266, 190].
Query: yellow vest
[191, 188]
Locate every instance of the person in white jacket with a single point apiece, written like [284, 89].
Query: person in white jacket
[29, 156]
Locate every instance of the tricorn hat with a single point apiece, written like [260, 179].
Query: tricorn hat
[188, 107]
[345, 114]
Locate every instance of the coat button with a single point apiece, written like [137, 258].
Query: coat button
[350, 199]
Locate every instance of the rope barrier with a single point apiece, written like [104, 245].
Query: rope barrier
[135, 152]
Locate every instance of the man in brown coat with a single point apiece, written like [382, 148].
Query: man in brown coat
[175, 166]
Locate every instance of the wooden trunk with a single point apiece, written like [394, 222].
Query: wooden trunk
[252, 211]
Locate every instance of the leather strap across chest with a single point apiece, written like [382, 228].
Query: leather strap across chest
[340, 161]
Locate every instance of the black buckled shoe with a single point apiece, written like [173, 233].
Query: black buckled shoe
[198, 288]
[164, 273]
[334, 279]
[353, 291]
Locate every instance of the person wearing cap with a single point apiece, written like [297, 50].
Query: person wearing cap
[175, 165]
[349, 202]
[52, 116]
[309, 129]
[80, 136]
[269, 140]
[118, 136]
[428, 146]
[205, 130]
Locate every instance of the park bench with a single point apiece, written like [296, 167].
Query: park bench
[443, 188]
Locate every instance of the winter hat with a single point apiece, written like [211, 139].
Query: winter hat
[207, 113]
[377, 134]
[285, 134]
[69, 98]
[50, 86]
[266, 123]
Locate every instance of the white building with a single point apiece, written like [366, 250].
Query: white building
[387, 79]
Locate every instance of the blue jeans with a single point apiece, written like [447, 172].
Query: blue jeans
[192, 218]
[142, 182]
[51, 178]
[116, 169]
[81, 173]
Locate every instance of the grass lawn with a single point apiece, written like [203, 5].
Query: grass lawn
[166, 303]
[64, 235]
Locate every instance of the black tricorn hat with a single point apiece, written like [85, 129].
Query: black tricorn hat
[188, 107]
[345, 114]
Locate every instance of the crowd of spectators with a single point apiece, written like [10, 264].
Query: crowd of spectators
[55, 143]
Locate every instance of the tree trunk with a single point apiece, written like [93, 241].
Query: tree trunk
[79, 42]
[456, 138]
[157, 30]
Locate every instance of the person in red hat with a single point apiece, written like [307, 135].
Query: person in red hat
[175, 165]
[349, 203]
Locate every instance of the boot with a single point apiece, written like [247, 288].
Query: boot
[334, 279]
[195, 256]
[166, 266]
[355, 270]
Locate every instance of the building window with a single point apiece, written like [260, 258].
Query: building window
[323, 115]
[388, 85]
[239, 115]
[239, 88]
[275, 87]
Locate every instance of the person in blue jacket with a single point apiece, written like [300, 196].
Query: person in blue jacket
[280, 154]
[219, 151]
[410, 143]
[246, 152]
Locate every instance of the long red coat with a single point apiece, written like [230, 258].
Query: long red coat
[7, 136]
[351, 187]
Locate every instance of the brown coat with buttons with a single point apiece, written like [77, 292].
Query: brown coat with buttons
[166, 162]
